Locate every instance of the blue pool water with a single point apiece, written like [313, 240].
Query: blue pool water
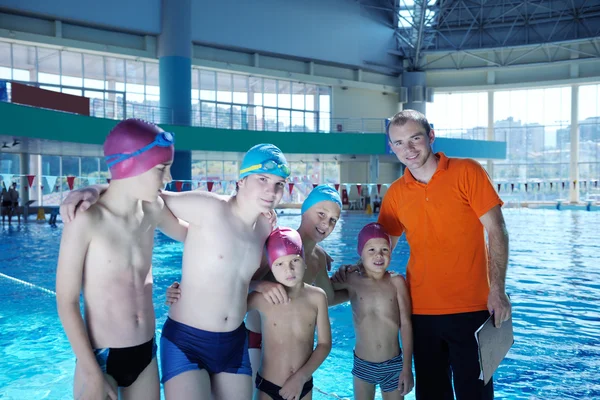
[554, 282]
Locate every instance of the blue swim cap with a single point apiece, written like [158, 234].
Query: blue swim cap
[319, 194]
[264, 159]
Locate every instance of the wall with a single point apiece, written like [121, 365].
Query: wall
[364, 103]
[142, 16]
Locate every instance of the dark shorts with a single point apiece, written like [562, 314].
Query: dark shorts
[127, 363]
[385, 374]
[272, 389]
[445, 353]
[254, 340]
[185, 348]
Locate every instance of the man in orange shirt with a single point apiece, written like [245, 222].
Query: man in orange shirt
[443, 205]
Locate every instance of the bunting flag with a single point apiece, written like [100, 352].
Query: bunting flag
[51, 182]
[30, 179]
[574, 184]
[178, 185]
[347, 187]
[499, 185]
[290, 187]
[359, 187]
[538, 186]
[92, 181]
[585, 184]
[563, 185]
[551, 184]
[70, 182]
[595, 183]
[512, 187]
[107, 180]
[315, 185]
[525, 187]
[337, 187]
[379, 188]
[209, 185]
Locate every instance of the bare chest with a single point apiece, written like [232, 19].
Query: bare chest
[297, 321]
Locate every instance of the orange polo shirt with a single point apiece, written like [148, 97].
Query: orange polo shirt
[447, 271]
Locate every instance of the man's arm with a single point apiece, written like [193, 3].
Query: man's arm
[273, 292]
[322, 277]
[406, 381]
[498, 302]
[69, 274]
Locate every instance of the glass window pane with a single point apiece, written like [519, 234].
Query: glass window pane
[71, 68]
[208, 85]
[49, 66]
[115, 73]
[208, 114]
[324, 98]
[240, 89]
[324, 122]
[215, 170]
[270, 119]
[256, 90]
[93, 71]
[223, 116]
[152, 80]
[298, 95]
[5, 59]
[284, 120]
[224, 87]
[310, 98]
[198, 170]
[270, 93]
[9, 164]
[24, 63]
[298, 121]
[284, 99]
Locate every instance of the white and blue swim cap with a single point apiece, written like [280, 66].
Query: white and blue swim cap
[264, 159]
[319, 194]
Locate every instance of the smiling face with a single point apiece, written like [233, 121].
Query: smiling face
[319, 221]
[411, 144]
[289, 270]
[375, 255]
[264, 190]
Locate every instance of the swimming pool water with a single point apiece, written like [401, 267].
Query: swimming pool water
[553, 279]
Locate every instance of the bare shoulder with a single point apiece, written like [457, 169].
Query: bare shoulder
[154, 209]
[399, 282]
[315, 293]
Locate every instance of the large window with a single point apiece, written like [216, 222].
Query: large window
[459, 115]
[231, 101]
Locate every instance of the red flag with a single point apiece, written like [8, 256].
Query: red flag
[290, 187]
[178, 185]
[337, 187]
[315, 185]
[525, 187]
[498, 186]
[70, 181]
[512, 187]
[30, 179]
[359, 187]
[379, 188]
[209, 185]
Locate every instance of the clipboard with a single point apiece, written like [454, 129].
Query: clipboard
[493, 344]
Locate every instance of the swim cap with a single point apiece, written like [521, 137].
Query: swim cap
[134, 146]
[319, 194]
[372, 231]
[264, 159]
[283, 242]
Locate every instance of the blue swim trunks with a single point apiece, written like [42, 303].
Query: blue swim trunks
[385, 374]
[185, 348]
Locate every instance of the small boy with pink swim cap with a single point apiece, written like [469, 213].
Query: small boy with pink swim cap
[288, 357]
[106, 252]
[380, 307]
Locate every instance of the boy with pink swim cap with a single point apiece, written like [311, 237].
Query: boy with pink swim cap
[380, 307]
[106, 252]
[288, 358]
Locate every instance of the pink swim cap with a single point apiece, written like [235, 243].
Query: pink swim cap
[283, 242]
[371, 231]
[134, 146]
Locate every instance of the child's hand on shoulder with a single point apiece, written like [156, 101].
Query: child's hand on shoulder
[292, 388]
[273, 292]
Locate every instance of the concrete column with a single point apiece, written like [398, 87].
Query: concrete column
[574, 154]
[415, 82]
[24, 184]
[175, 75]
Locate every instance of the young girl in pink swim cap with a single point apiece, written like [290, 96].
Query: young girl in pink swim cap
[106, 253]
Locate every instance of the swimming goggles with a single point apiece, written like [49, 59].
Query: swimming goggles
[163, 139]
[267, 166]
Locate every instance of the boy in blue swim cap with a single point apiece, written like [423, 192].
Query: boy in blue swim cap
[204, 349]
